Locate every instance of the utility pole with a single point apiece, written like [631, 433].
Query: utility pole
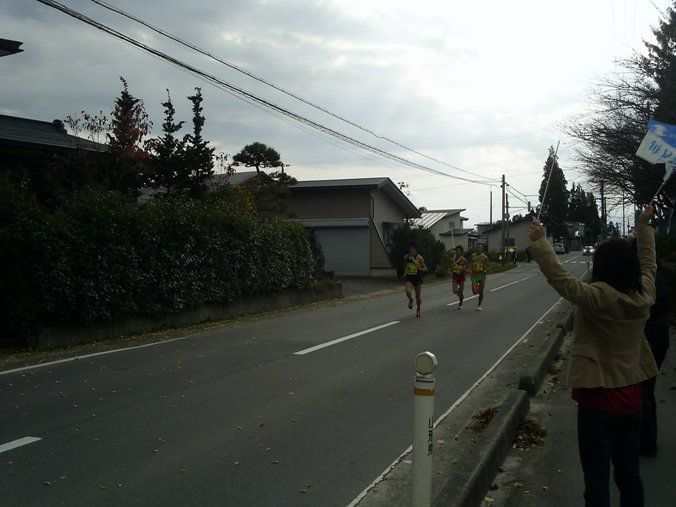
[604, 226]
[491, 211]
[506, 224]
[503, 223]
[624, 230]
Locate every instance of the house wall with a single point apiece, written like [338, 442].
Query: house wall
[451, 242]
[330, 203]
[517, 231]
[385, 210]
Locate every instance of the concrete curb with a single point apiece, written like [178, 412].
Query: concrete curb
[531, 381]
[495, 444]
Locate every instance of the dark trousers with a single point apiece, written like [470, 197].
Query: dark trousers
[603, 438]
[649, 421]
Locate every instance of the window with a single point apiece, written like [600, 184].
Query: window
[387, 233]
[451, 224]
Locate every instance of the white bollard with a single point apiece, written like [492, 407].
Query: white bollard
[423, 423]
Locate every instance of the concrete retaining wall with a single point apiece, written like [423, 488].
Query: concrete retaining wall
[55, 337]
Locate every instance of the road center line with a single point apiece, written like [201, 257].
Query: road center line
[466, 299]
[344, 338]
[568, 260]
[17, 443]
[512, 283]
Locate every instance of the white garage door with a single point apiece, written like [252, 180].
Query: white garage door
[346, 249]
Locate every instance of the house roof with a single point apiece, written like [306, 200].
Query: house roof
[236, 178]
[456, 232]
[52, 135]
[10, 47]
[383, 183]
[333, 222]
[432, 216]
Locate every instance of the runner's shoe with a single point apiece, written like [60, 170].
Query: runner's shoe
[410, 304]
[460, 305]
[417, 313]
[478, 308]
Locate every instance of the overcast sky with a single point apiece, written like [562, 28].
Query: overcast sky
[482, 85]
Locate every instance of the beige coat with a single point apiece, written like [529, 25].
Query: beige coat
[609, 347]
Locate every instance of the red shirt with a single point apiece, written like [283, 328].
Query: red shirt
[614, 401]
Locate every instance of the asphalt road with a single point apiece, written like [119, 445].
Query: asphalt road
[235, 416]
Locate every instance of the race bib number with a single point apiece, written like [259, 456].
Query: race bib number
[411, 269]
[477, 266]
[458, 269]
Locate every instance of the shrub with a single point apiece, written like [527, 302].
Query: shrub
[101, 257]
[428, 246]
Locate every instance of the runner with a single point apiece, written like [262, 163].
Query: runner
[413, 270]
[480, 266]
[458, 269]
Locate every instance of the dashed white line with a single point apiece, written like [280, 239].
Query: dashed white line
[344, 338]
[17, 443]
[512, 283]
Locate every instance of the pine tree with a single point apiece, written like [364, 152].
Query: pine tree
[555, 204]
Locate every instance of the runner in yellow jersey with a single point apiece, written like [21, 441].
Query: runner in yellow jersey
[458, 270]
[414, 267]
[479, 266]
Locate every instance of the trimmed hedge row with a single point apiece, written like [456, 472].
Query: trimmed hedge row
[100, 257]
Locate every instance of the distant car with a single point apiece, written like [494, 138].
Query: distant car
[559, 248]
[588, 250]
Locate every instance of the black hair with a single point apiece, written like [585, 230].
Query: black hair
[616, 263]
[460, 247]
[413, 244]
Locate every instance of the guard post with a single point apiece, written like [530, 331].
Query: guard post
[423, 427]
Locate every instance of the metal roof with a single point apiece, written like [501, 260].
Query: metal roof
[431, 217]
[456, 232]
[42, 134]
[383, 183]
[333, 222]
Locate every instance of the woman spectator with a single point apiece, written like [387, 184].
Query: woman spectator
[610, 357]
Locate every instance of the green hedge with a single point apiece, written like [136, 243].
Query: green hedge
[100, 257]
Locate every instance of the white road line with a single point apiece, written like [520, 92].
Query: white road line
[344, 338]
[86, 356]
[457, 402]
[466, 299]
[568, 260]
[507, 285]
[17, 443]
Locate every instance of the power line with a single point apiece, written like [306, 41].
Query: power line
[266, 82]
[248, 95]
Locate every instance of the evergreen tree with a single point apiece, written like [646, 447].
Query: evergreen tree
[129, 124]
[168, 150]
[555, 204]
[198, 156]
[259, 156]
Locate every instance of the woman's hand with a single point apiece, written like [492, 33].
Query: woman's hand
[646, 215]
[537, 231]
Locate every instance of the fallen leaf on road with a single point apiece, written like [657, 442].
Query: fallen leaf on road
[63, 477]
[488, 499]
[354, 460]
[303, 491]
[545, 488]
[103, 488]
[156, 450]
[235, 463]
[239, 427]
[275, 462]
[294, 419]
[119, 485]
[47, 483]
[183, 471]
[559, 470]
[517, 484]
[441, 442]
[268, 449]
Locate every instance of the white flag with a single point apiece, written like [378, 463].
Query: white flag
[659, 145]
